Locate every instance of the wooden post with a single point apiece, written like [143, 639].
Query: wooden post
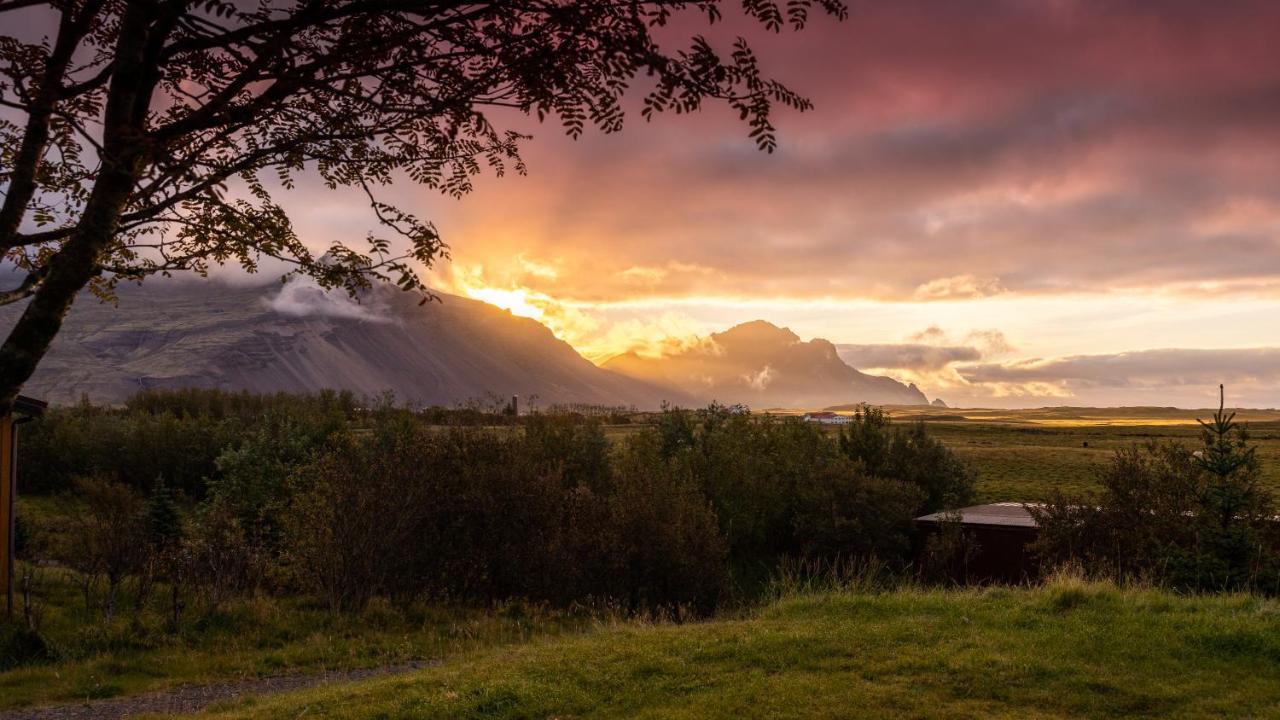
[8, 499]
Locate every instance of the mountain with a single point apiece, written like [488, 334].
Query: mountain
[297, 338]
[763, 365]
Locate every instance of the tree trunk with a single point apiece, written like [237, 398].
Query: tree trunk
[69, 271]
[76, 262]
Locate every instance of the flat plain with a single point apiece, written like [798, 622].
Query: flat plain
[1024, 455]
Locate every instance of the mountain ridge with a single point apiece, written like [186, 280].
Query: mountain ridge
[765, 365]
[295, 338]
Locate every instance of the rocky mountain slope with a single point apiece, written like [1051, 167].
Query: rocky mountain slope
[763, 365]
[296, 338]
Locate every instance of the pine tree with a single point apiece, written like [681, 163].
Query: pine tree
[163, 518]
[1232, 506]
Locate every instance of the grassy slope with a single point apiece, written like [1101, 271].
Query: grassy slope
[1071, 649]
[248, 638]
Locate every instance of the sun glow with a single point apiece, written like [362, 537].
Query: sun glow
[590, 328]
[516, 301]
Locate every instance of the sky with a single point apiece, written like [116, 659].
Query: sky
[1010, 203]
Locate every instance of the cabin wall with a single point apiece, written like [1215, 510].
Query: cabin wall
[1000, 554]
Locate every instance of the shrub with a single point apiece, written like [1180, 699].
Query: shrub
[573, 447]
[352, 525]
[105, 536]
[665, 538]
[843, 512]
[1196, 521]
[180, 435]
[476, 514]
[219, 559]
[910, 455]
[21, 646]
[752, 469]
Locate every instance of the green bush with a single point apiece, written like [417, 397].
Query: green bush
[179, 435]
[1196, 521]
[910, 455]
[476, 514]
[217, 493]
[21, 646]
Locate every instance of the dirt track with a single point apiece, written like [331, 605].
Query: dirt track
[193, 698]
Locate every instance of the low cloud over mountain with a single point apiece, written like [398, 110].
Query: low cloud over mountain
[300, 339]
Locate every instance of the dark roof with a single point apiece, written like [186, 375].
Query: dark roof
[29, 406]
[1005, 514]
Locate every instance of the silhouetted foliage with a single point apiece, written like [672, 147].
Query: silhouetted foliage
[186, 437]
[780, 486]
[472, 514]
[105, 537]
[347, 501]
[130, 122]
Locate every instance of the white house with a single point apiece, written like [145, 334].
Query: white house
[827, 418]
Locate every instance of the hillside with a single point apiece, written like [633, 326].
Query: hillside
[297, 339]
[911, 654]
[763, 365]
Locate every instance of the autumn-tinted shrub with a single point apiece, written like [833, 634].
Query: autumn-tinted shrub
[573, 447]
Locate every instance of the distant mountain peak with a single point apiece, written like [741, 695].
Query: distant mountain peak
[757, 331]
[270, 338]
[761, 364]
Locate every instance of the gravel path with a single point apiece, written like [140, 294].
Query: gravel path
[193, 698]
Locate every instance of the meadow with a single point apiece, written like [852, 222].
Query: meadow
[851, 645]
[1069, 648]
[248, 638]
[1024, 455]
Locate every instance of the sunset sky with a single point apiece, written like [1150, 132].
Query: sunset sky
[1009, 203]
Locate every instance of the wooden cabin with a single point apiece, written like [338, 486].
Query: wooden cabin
[1000, 535]
[24, 409]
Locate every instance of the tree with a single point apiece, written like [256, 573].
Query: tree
[911, 455]
[1195, 520]
[147, 136]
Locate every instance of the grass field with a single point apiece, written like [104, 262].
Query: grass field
[248, 638]
[1023, 455]
[1070, 649]
[1027, 461]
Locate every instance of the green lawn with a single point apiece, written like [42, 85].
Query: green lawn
[247, 638]
[1071, 649]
